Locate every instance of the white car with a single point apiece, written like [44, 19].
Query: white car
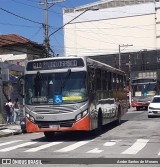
[154, 107]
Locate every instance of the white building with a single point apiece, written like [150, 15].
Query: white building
[117, 22]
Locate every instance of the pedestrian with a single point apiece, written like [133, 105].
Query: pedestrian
[16, 110]
[8, 107]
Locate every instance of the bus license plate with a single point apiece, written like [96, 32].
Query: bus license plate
[54, 126]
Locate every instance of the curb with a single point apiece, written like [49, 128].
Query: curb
[11, 133]
[3, 127]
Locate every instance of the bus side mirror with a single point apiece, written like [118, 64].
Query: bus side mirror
[20, 85]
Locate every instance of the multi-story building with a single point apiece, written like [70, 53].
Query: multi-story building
[115, 25]
[122, 33]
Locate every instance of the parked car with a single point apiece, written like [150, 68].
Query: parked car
[154, 107]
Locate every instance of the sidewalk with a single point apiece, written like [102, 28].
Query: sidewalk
[8, 130]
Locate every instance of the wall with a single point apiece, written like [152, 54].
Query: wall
[100, 32]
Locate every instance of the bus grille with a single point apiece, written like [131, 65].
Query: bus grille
[46, 124]
[55, 110]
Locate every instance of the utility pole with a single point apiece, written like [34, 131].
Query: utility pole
[119, 58]
[46, 26]
[129, 66]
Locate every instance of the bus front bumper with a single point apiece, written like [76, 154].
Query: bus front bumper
[140, 104]
[81, 125]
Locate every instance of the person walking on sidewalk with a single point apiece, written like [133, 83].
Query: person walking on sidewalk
[8, 107]
[16, 110]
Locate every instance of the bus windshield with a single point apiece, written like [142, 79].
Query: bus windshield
[55, 88]
[144, 89]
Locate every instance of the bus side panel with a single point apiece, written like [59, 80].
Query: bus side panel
[83, 124]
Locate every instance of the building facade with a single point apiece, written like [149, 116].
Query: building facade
[15, 50]
[115, 23]
[122, 33]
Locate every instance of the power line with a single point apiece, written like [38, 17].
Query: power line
[17, 25]
[34, 6]
[26, 4]
[35, 34]
[20, 16]
[67, 23]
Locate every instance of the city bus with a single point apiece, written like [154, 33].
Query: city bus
[143, 89]
[72, 94]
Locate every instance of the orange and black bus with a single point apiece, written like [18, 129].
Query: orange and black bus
[72, 94]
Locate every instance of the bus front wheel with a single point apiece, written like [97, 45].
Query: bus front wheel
[98, 130]
[49, 135]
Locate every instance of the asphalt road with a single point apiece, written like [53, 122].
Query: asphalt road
[136, 140]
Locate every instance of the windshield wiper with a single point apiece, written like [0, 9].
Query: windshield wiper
[65, 79]
[39, 81]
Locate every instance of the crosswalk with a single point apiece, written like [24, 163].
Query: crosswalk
[136, 147]
[95, 147]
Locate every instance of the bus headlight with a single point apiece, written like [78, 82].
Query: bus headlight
[81, 115]
[31, 118]
[78, 117]
[27, 115]
[84, 113]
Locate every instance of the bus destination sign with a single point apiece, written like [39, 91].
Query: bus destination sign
[54, 64]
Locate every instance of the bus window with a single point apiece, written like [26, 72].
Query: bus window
[98, 78]
[109, 78]
[114, 81]
[91, 79]
[106, 79]
[103, 80]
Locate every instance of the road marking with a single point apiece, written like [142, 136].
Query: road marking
[135, 112]
[17, 146]
[10, 142]
[42, 147]
[8, 130]
[73, 146]
[136, 147]
[111, 143]
[96, 150]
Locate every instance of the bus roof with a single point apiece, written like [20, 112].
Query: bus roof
[103, 65]
[93, 62]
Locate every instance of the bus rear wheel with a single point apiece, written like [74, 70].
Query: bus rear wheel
[49, 135]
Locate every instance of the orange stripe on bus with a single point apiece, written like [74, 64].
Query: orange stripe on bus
[83, 124]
